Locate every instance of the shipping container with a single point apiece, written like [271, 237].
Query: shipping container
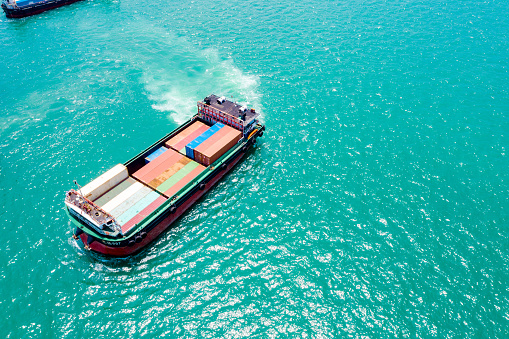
[124, 195]
[204, 136]
[157, 171]
[130, 202]
[210, 141]
[150, 170]
[112, 193]
[137, 207]
[185, 180]
[170, 171]
[155, 153]
[143, 213]
[185, 133]
[167, 184]
[209, 153]
[181, 145]
[198, 151]
[105, 182]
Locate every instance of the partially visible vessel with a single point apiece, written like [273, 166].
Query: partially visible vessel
[23, 8]
[123, 210]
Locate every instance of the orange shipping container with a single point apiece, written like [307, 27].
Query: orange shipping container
[183, 134]
[182, 143]
[214, 151]
[169, 172]
[156, 167]
[211, 141]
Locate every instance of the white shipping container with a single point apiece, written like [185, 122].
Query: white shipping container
[123, 196]
[105, 182]
[130, 202]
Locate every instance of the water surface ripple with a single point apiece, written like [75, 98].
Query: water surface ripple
[375, 205]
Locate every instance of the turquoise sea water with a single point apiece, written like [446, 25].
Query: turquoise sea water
[375, 205]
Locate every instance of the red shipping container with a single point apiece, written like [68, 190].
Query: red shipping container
[140, 216]
[216, 150]
[155, 171]
[139, 174]
[182, 143]
[183, 134]
[211, 141]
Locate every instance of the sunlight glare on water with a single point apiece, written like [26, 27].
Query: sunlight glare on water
[374, 206]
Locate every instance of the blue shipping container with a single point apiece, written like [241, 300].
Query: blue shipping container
[204, 136]
[154, 154]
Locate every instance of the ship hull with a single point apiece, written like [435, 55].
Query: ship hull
[35, 8]
[149, 236]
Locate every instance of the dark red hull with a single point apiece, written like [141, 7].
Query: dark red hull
[151, 235]
[35, 9]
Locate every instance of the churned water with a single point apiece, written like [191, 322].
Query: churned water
[375, 205]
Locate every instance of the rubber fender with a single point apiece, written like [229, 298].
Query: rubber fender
[252, 133]
[90, 239]
[77, 233]
[224, 166]
[131, 242]
[138, 239]
[244, 148]
[172, 209]
[261, 134]
[143, 235]
[202, 186]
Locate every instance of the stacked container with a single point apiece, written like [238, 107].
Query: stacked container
[200, 143]
[169, 172]
[218, 144]
[105, 182]
[155, 153]
[203, 137]
[179, 141]
[127, 199]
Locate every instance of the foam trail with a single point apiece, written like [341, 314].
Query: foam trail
[178, 72]
[173, 73]
[177, 92]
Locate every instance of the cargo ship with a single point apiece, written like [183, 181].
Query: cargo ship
[23, 8]
[127, 207]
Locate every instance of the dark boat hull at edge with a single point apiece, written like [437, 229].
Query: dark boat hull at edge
[35, 9]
